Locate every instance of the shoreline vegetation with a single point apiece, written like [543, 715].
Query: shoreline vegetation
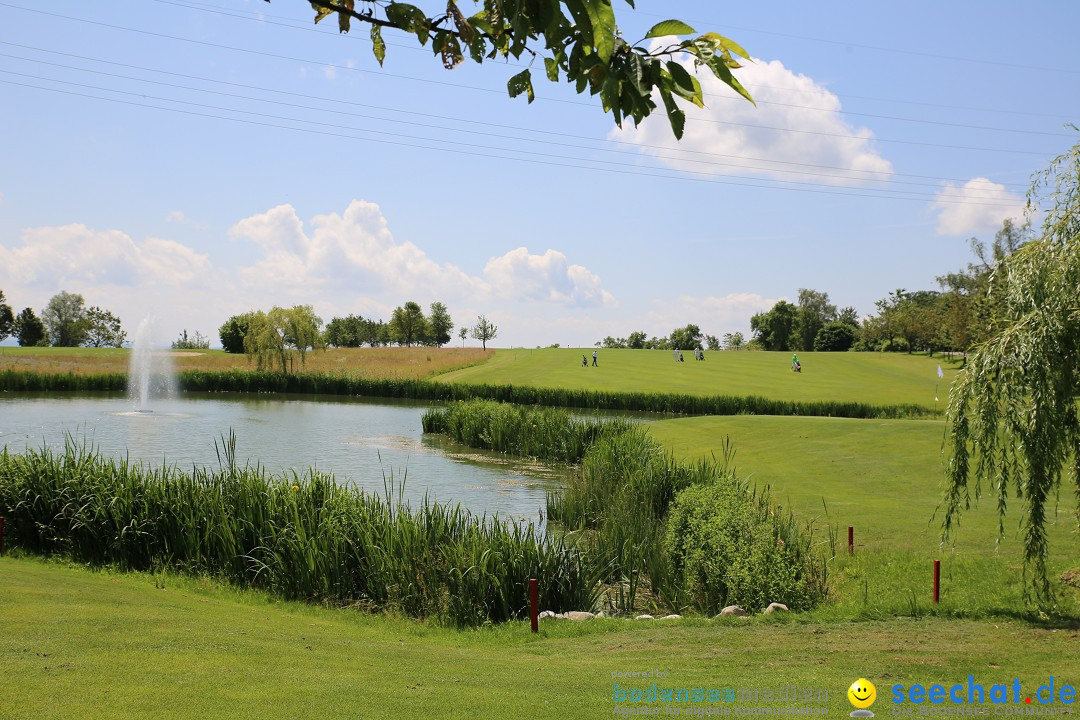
[302, 536]
[313, 383]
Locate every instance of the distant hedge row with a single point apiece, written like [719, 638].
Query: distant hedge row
[327, 384]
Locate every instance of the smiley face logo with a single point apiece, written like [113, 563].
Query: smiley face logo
[862, 693]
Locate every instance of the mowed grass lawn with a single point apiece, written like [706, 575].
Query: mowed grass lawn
[874, 378]
[885, 478]
[403, 363]
[83, 644]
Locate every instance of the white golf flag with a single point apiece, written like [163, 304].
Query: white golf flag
[939, 373]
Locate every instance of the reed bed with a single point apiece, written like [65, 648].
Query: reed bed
[350, 384]
[301, 536]
[654, 532]
[551, 434]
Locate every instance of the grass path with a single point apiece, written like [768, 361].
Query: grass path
[84, 644]
[875, 378]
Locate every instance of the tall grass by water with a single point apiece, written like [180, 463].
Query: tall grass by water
[419, 389]
[639, 517]
[302, 536]
[544, 433]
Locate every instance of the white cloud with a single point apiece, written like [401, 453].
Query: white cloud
[979, 205]
[355, 252]
[176, 216]
[329, 72]
[339, 262]
[58, 256]
[729, 126]
[714, 314]
[521, 275]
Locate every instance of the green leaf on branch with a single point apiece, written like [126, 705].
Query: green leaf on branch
[521, 83]
[728, 44]
[670, 27]
[596, 21]
[551, 66]
[320, 12]
[342, 18]
[410, 19]
[378, 46]
[684, 84]
[722, 71]
[676, 117]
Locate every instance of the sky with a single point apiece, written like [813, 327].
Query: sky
[188, 160]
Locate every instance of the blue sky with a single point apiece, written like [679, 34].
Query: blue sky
[192, 159]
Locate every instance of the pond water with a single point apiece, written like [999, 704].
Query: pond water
[363, 442]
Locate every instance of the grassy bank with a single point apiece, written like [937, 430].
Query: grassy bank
[103, 644]
[884, 478]
[879, 379]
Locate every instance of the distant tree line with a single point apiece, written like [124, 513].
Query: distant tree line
[688, 337]
[65, 322]
[281, 336]
[963, 312]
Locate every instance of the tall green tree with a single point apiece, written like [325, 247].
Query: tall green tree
[774, 330]
[103, 329]
[440, 324]
[7, 318]
[578, 40]
[65, 319]
[814, 312]
[233, 331]
[686, 338]
[408, 326]
[484, 330]
[1013, 410]
[29, 329]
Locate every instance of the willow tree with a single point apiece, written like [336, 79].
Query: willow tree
[1013, 409]
[578, 41]
[276, 337]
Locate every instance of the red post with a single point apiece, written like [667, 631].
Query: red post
[534, 605]
[937, 579]
[850, 540]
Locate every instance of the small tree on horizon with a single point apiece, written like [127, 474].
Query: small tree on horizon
[463, 333]
[484, 330]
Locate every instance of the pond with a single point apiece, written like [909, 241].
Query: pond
[363, 442]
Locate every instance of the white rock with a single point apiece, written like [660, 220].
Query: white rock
[578, 615]
[644, 617]
[546, 614]
[776, 607]
[733, 610]
[672, 617]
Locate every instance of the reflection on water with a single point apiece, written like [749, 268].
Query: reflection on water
[363, 443]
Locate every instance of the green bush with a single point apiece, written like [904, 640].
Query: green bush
[728, 546]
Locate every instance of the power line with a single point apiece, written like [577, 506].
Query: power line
[635, 146]
[880, 48]
[261, 18]
[473, 149]
[500, 92]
